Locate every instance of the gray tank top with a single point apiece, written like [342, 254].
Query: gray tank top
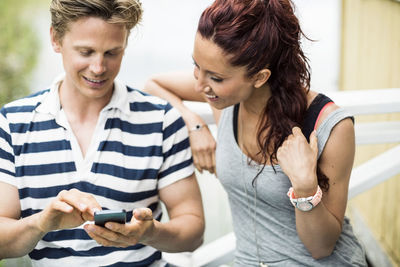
[273, 229]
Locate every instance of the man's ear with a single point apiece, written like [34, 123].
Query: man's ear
[55, 42]
[261, 77]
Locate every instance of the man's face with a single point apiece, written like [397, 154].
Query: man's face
[92, 51]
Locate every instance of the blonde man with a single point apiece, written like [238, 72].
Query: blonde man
[90, 143]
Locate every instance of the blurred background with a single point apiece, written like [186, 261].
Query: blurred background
[356, 47]
[164, 41]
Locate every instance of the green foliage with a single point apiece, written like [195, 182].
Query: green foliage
[19, 48]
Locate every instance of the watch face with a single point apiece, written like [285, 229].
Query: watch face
[304, 205]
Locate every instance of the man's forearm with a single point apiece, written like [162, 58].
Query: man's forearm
[184, 233]
[18, 237]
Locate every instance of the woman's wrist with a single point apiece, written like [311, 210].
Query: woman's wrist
[197, 127]
[193, 121]
[306, 188]
[305, 192]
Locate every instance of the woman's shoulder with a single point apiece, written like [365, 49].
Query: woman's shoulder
[322, 106]
[328, 119]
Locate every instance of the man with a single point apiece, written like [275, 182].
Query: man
[90, 143]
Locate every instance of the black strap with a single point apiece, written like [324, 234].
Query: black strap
[310, 118]
[312, 114]
[235, 121]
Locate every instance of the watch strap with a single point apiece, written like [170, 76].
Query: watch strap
[314, 200]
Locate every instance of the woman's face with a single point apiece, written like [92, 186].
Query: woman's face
[221, 83]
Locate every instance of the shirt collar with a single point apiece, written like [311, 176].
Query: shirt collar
[51, 103]
[119, 99]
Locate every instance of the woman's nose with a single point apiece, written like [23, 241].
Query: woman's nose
[201, 82]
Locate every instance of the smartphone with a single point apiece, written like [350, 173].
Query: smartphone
[103, 216]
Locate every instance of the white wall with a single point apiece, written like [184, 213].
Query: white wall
[321, 22]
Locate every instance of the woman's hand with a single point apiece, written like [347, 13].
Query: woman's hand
[298, 160]
[203, 147]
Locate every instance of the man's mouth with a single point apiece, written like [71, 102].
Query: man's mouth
[94, 80]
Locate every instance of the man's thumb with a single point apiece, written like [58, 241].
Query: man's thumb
[143, 214]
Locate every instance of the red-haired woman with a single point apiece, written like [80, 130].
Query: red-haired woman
[284, 153]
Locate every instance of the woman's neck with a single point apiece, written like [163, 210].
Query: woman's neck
[255, 105]
[251, 114]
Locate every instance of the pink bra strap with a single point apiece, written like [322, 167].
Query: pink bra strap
[319, 115]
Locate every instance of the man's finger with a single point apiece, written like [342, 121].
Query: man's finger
[143, 214]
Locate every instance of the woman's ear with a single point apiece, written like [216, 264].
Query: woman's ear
[55, 43]
[261, 77]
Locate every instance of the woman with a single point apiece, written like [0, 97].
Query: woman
[287, 194]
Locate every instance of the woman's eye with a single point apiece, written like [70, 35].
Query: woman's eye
[215, 79]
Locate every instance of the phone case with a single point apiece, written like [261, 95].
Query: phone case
[103, 216]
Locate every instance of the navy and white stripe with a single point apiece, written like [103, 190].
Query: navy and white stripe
[140, 145]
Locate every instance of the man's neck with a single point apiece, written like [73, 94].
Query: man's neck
[80, 108]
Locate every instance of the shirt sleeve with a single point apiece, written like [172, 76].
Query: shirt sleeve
[177, 155]
[7, 159]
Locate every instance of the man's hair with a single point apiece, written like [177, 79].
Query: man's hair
[63, 12]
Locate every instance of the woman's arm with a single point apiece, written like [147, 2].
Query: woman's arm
[320, 228]
[336, 163]
[175, 87]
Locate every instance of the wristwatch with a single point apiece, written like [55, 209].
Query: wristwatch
[305, 203]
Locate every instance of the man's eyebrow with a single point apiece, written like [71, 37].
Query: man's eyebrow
[91, 48]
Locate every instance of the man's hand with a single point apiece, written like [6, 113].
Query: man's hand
[68, 210]
[138, 230]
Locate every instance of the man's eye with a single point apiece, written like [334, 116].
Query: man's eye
[112, 53]
[85, 53]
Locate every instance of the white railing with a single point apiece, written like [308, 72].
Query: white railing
[363, 177]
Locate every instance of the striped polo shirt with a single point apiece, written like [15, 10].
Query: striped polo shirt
[139, 146]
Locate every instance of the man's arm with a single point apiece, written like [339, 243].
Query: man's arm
[18, 236]
[184, 231]
[12, 242]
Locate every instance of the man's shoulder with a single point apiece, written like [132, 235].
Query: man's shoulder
[142, 101]
[25, 104]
